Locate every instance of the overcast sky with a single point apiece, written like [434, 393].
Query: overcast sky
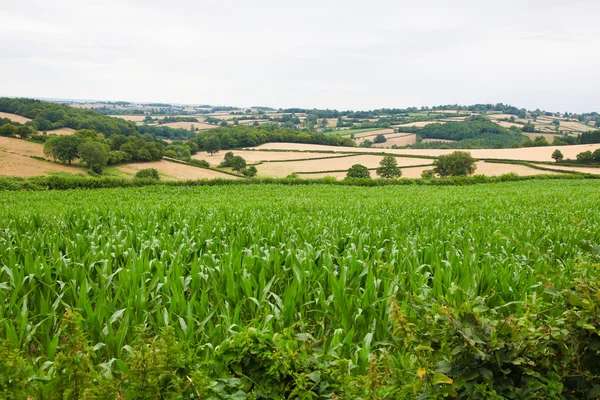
[313, 53]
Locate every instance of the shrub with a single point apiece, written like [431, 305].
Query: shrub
[458, 163]
[358, 171]
[148, 173]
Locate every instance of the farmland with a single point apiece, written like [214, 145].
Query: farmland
[321, 290]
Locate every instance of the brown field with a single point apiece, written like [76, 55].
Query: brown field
[370, 161]
[188, 125]
[398, 139]
[420, 124]
[483, 168]
[527, 153]
[23, 166]
[454, 119]
[21, 147]
[60, 131]
[253, 157]
[585, 170]
[373, 133]
[14, 117]
[332, 122]
[173, 171]
[134, 118]
[549, 137]
[438, 140]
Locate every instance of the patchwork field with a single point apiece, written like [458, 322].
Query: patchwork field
[526, 153]
[398, 139]
[281, 170]
[60, 131]
[188, 125]
[253, 157]
[12, 164]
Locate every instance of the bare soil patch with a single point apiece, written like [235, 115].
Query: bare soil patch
[253, 157]
[21, 147]
[60, 131]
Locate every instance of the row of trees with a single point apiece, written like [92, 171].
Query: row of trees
[458, 163]
[96, 151]
[231, 137]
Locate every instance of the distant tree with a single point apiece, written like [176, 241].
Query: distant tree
[528, 127]
[585, 157]
[250, 172]
[557, 155]
[212, 144]
[380, 139]
[388, 168]
[596, 155]
[455, 164]
[556, 122]
[223, 123]
[148, 173]
[8, 130]
[62, 148]
[25, 132]
[366, 144]
[237, 163]
[227, 160]
[94, 154]
[358, 171]
[512, 118]
[428, 174]
[540, 141]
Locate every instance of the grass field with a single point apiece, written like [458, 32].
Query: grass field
[267, 291]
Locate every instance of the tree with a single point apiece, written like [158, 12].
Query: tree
[455, 164]
[388, 168]
[62, 148]
[366, 144]
[557, 155]
[528, 127]
[380, 138]
[237, 163]
[94, 154]
[358, 171]
[250, 172]
[585, 157]
[212, 144]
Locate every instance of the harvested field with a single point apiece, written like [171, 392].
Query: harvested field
[14, 117]
[398, 139]
[549, 137]
[585, 170]
[332, 122]
[21, 147]
[173, 171]
[370, 161]
[420, 124]
[527, 153]
[493, 169]
[60, 131]
[438, 140]
[12, 164]
[253, 157]
[134, 118]
[372, 134]
[188, 125]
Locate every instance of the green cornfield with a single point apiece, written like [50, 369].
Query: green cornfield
[271, 291]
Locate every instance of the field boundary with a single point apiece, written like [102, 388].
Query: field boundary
[82, 182]
[370, 169]
[175, 160]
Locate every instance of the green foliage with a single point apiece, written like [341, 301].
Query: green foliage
[388, 168]
[428, 174]
[240, 297]
[458, 163]
[557, 155]
[148, 173]
[250, 171]
[358, 171]
[211, 144]
[380, 139]
[237, 163]
[94, 154]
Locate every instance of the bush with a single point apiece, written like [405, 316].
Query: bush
[358, 171]
[148, 173]
[458, 163]
[428, 174]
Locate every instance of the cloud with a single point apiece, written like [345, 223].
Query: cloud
[316, 53]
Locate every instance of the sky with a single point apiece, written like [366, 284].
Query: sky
[311, 54]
